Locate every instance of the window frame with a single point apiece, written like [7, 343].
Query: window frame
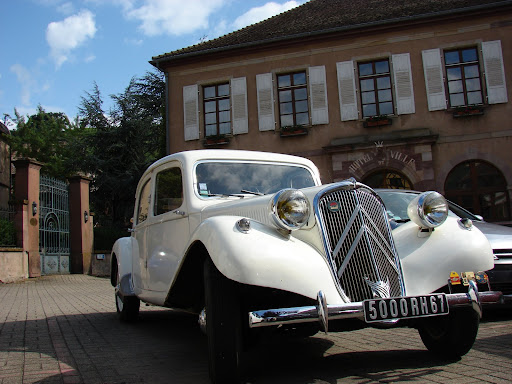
[375, 76]
[156, 208]
[217, 99]
[145, 190]
[293, 87]
[462, 64]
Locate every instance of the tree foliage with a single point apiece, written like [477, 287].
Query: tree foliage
[112, 147]
[47, 137]
[125, 142]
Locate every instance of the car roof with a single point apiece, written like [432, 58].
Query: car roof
[188, 158]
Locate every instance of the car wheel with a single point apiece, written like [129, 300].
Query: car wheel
[450, 336]
[127, 306]
[223, 325]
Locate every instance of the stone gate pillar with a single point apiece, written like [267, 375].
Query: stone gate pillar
[80, 225]
[26, 193]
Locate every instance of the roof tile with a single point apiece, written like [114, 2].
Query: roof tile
[325, 16]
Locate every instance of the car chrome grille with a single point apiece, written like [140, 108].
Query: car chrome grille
[358, 241]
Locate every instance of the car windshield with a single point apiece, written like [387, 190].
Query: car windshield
[221, 178]
[396, 204]
[463, 213]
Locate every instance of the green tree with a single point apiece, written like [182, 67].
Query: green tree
[124, 143]
[48, 137]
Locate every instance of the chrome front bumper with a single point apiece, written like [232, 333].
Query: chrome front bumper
[323, 312]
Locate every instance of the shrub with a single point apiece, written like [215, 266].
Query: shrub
[7, 233]
[104, 237]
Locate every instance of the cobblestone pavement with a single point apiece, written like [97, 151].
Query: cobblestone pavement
[64, 329]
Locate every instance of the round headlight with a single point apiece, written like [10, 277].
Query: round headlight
[428, 210]
[290, 209]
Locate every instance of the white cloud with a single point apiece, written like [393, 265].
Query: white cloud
[66, 35]
[173, 17]
[66, 8]
[257, 14]
[133, 41]
[26, 81]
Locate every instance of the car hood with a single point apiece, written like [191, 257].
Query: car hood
[499, 236]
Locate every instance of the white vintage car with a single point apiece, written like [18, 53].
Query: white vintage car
[252, 242]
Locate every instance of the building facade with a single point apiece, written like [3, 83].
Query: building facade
[395, 94]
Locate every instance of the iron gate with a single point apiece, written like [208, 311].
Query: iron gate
[53, 225]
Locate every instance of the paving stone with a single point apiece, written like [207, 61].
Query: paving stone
[64, 329]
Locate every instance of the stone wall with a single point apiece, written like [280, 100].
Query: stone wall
[14, 265]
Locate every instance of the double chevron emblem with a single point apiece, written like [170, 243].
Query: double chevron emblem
[379, 288]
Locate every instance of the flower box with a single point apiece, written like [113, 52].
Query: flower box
[470, 110]
[212, 141]
[298, 130]
[377, 121]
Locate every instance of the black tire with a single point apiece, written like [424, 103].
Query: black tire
[127, 306]
[223, 325]
[450, 336]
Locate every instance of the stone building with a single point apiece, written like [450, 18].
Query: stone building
[398, 94]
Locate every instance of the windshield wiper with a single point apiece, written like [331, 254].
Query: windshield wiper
[224, 195]
[252, 192]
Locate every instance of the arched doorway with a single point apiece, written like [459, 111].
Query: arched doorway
[388, 179]
[479, 187]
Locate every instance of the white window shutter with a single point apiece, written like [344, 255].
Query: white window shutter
[433, 71]
[494, 72]
[403, 84]
[191, 112]
[347, 91]
[318, 96]
[266, 120]
[239, 105]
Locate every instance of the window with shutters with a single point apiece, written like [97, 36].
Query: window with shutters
[293, 99]
[463, 77]
[217, 109]
[375, 87]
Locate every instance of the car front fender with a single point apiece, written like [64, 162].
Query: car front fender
[122, 249]
[428, 258]
[267, 258]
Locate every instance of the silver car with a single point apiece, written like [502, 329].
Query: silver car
[500, 236]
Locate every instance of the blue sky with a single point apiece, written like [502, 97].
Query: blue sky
[54, 50]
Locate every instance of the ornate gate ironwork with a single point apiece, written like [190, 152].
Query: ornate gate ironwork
[53, 225]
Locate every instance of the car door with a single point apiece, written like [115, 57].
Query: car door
[139, 233]
[168, 228]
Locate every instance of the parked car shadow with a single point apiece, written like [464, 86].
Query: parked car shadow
[165, 346]
[303, 361]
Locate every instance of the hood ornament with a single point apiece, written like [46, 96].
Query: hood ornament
[379, 288]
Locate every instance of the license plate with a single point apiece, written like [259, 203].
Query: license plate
[405, 307]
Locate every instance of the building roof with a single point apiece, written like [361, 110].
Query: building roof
[318, 17]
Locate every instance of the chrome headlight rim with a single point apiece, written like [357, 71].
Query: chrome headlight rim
[428, 210]
[284, 201]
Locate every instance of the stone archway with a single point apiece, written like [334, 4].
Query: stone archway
[389, 179]
[408, 152]
[480, 187]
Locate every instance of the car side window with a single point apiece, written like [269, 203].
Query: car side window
[168, 191]
[144, 201]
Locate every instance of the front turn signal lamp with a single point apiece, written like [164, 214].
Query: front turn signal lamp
[428, 210]
[289, 209]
